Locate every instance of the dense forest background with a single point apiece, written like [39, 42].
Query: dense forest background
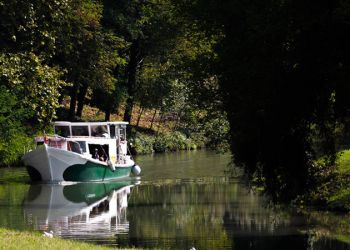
[277, 71]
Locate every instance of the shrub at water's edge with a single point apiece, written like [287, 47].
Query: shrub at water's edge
[142, 143]
[331, 188]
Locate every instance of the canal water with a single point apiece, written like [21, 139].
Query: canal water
[182, 200]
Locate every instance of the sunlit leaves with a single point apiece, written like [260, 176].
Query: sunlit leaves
[35, 85]
[30, 25]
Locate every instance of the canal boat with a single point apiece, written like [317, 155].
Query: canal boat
[81, 151]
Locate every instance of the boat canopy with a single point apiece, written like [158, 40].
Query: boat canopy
[90, 129]
[65, 123]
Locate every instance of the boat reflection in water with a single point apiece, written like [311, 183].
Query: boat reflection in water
[86, 211]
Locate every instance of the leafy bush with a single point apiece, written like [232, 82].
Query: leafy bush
[35, 85]
[172, 142]
[13, 147]
[163, 142]
[142, 143]
[14, 140]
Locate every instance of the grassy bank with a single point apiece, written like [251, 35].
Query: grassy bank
[11, 239]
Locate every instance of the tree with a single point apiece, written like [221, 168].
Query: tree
[87, 52]
[281, 68]
[150, 29]
[29, 82]
[35, 84]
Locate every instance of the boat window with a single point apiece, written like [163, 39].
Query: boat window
[82, 146]
[75, 147]
[99, 131]
[80, 131]
[99, 152]
[62, 131]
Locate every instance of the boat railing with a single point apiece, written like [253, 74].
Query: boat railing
[51, 140]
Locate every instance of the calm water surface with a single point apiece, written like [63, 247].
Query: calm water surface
[181, 200]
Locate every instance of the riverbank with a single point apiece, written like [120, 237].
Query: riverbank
[11, 239]
[148, 134]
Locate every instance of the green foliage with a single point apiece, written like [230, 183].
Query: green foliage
[282, 68]
[344, 161]
[163, 142]
[339, 198]
[89, 53]
[142, 143]
[14, 146]
[30, 83]
[217, 133]
[31, 25]
[330, 188]
[35, 85]
[14, 140]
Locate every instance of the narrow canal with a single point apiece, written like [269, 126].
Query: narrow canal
[182, 200]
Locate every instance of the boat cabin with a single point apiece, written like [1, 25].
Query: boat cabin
[91, 129]
[102, 141]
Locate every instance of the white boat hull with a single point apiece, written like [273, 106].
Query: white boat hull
[51, 164]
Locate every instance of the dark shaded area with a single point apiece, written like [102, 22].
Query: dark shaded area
[283, 68]
[34, 174]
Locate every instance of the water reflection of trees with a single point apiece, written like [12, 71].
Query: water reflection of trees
[207, 214]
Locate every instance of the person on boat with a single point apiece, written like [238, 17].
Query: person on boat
[96, 155]
[99, 157]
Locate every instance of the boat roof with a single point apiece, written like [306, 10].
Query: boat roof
[66, 123]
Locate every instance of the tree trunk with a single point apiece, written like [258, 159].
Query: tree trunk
[160, 121]
[81, 99]
[73, 102]
[128, 109]
[139, 118]
[107, 114]
[154, 115]
[132, 73]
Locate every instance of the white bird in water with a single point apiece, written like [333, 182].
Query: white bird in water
[192, 248]
[48, 234]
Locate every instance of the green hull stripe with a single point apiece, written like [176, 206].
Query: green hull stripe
[94, 172]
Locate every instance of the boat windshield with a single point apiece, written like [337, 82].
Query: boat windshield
[62, 131]
[80, 130]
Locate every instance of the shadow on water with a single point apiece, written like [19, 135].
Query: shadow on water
[184, 200]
